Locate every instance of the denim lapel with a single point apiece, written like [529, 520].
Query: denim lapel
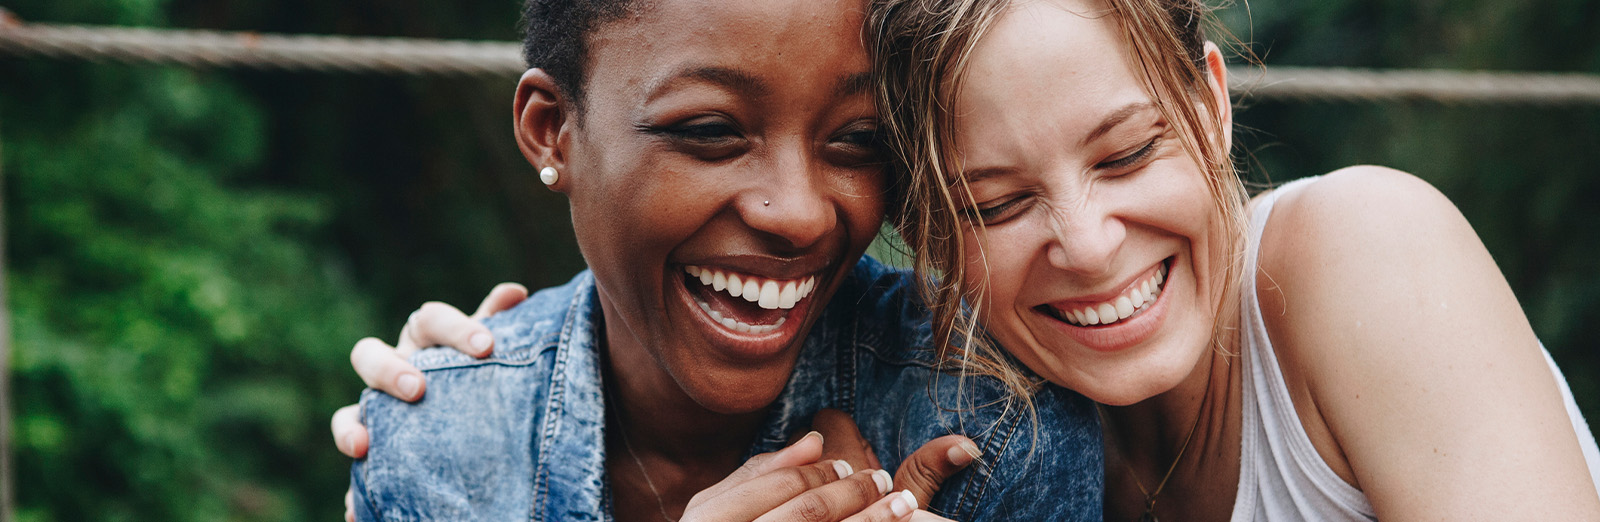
[569, 477]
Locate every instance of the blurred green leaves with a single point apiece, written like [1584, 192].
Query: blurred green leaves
[192, 254]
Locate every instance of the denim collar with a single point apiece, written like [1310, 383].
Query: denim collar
[575, 414]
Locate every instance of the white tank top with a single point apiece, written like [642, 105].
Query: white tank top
[1281, 475]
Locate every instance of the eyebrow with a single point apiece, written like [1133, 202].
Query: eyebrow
[734, 79]
[1114, 119]
[854, 84]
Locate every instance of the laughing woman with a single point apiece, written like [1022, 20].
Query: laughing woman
[1340, 348]
[720, 164]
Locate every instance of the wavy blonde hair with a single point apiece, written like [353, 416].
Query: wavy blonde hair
[921, 48]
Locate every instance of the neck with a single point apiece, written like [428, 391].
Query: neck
[662, 447]
[1192, 429]
[656, 417]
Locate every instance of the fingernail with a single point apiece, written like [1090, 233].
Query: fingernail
[816, 434]
[885, 482]
[350, 442]
[408, 385]
[903, 504]
[964, 453]
[480, 341]
[843, 468]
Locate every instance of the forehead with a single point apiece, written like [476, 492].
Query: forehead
[782, 41]
[1046, 70]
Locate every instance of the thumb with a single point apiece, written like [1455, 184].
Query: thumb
[925, 471]
[804, 451]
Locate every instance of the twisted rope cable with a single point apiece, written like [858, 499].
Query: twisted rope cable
[1438, 86]
[205, 49]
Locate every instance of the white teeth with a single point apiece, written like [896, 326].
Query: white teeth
[786, 296]
[1108, 314]
[1122, 307]
[769, 294]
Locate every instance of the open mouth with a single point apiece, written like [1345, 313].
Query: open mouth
[743, 303]
[1132, 302]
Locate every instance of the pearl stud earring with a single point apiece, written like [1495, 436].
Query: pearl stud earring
[549, 176]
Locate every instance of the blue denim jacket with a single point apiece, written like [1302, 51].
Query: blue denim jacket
[520, 435]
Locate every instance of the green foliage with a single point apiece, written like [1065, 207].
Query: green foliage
[172, 325]
[191, 255]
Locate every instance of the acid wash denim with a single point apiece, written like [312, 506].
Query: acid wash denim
[521, 435]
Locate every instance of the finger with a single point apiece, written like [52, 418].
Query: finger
[836, 500]
[348, 432]
[926, 469]
[803, 452]
[349, 507]
[748, 499]
[384, 369]
[501, 298]
[439, 324]
[924, 516]
[894, 507]
[844, 439]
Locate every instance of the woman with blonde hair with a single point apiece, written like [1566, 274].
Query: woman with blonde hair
[1356, 356]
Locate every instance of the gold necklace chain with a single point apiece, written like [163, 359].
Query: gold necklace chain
[628, 445]
[1149, 497]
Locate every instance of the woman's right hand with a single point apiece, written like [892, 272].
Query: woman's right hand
[386, 368]
[795, 483]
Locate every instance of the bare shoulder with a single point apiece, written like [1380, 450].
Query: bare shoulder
[1365, 208]
[1351, 251]
[1391, 321]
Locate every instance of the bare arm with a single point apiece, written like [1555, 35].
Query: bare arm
[1413, 367]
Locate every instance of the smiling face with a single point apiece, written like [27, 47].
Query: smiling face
[722, 181]
[1099, 255]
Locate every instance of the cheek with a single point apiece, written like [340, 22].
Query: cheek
[860, 201]
[997, 264]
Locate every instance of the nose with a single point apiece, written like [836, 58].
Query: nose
[1085, 239]
[790, 203]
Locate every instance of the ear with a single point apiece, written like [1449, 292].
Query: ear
[1217, 76]
[543, 123]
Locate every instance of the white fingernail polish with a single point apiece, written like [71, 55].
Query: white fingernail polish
[903, 504]
[480, 341]
[842, 468]
[885, 482]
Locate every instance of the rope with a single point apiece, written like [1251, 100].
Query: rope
[206, 49]
[1439, 86]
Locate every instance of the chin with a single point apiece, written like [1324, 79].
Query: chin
[749, 391]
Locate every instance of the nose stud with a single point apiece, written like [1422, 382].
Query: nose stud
[766, 203]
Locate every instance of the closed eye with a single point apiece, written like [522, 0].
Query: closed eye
[1132, 158]
[994, 214]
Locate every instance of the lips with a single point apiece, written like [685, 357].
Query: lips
[1112, 321]
[750, 312]
[1132, 301]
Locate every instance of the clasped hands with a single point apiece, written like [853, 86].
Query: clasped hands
[830, 474]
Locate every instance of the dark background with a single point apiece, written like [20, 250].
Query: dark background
[191, 254]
